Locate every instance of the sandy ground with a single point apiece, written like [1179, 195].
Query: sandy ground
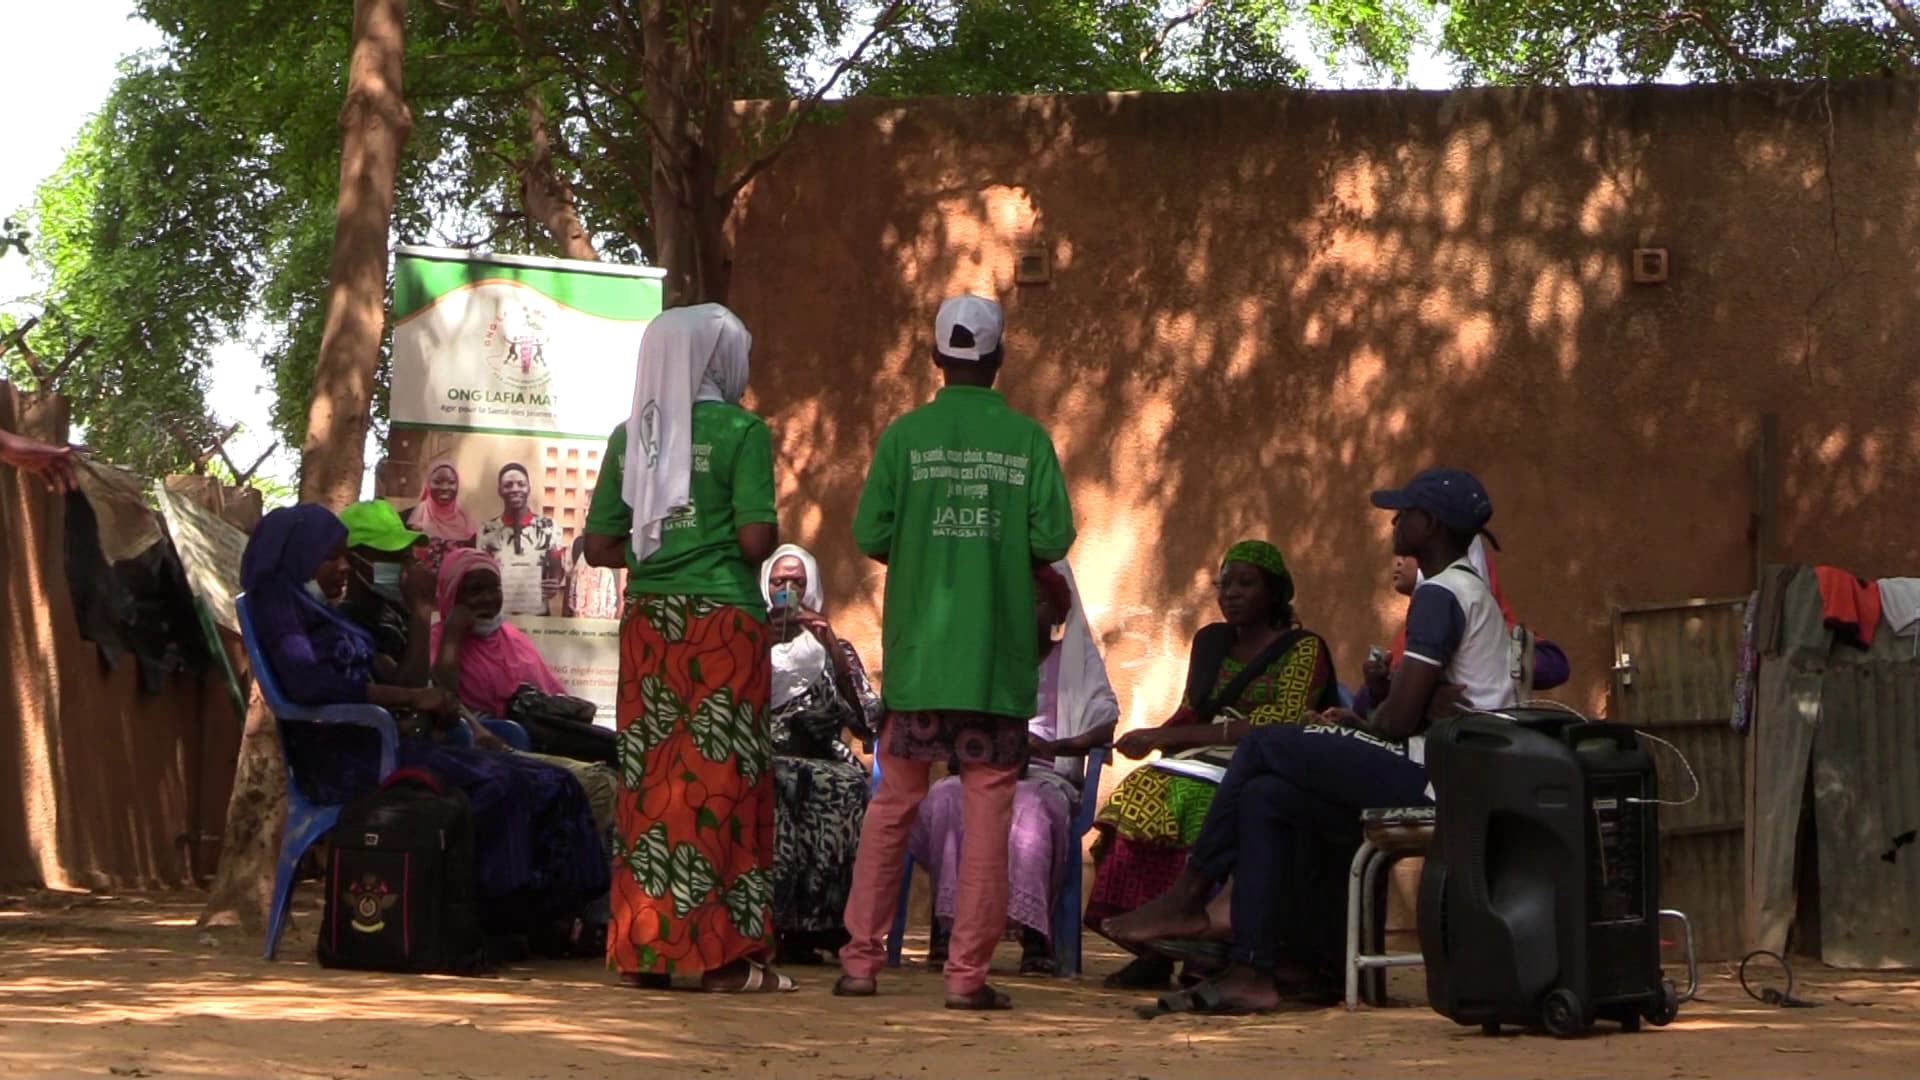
[123, 986]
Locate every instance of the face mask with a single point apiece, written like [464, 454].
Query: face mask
[386, 579]
[488, 627]
[786, 598]
[314, 590]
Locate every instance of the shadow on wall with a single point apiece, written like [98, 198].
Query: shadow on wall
[1262, 306]
[97, 780]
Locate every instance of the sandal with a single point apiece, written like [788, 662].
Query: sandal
[1200, 951]
[1141, 973]
[1038, 965]
[1204, 1000]
[761, 979]
[853, 986]
[985, 999]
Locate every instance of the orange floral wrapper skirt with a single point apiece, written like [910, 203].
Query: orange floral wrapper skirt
[693, 865]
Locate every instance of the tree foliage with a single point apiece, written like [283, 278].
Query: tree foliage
[198, 206]
[1586, 41]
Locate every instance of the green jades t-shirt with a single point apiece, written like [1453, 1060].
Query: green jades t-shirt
[963, 496]
[731, 486]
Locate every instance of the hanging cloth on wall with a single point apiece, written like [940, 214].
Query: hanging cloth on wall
[1850, 605]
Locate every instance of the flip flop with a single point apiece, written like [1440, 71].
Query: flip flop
[985, 999]
[1202, 1000]
[848, 986]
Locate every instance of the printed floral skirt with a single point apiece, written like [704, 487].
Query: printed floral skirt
[693, 862]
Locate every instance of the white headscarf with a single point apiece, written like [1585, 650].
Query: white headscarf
[687, 354]
[802, 662]
[813, 599]
[1085, 697]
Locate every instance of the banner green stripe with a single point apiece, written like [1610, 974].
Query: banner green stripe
[418, 282]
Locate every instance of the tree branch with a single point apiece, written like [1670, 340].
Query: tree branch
[1904, 15]
[1166, 31]
[242, 478]
[886, 21]
[18, 340]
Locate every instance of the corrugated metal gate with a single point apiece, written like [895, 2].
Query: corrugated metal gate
[1673, 675]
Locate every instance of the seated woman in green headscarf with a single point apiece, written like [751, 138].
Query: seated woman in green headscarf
[1256, 667]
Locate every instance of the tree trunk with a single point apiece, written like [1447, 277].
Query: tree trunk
[373, 128]
[250, 844]
[546, 195]
[689, 109]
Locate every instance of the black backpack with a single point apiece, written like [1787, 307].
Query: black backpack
[400, 881]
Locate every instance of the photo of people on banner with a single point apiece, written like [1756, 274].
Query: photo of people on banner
[509, 511]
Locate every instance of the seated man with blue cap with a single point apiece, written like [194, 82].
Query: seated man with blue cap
[1289, 785]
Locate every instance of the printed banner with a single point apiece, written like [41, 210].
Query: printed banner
[516, 345]
[509, 373]
[209, 548]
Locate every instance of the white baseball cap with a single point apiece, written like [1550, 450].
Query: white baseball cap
[967, 327]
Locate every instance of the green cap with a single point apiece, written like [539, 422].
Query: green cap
[377, 525]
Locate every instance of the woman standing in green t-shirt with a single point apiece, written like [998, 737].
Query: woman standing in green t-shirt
[685, 503]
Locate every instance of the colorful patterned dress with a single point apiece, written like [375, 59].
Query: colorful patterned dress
[1153, 816]
[693, 880]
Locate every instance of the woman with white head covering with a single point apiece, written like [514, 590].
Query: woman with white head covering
[820, 689]
[1078, 711]
[685, 503]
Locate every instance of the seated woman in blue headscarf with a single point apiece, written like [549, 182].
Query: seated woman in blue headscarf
[538, 860]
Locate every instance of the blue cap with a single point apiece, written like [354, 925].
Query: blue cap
[1453, 496]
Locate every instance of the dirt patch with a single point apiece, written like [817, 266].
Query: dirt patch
[124, 987]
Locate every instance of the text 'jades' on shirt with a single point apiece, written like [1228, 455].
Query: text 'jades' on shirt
[1454, 624]
[963, 496]
[731, 485]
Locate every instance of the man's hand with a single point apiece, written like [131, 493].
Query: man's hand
[53, 464]
[419, 587]
[1039, 747]
[1138, 743]
[1377, 676]
[1339, 717]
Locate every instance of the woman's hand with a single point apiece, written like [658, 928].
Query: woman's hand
[434, 701]
[459, 623]
[1138, 743]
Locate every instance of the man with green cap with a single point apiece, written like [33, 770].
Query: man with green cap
[390, 593]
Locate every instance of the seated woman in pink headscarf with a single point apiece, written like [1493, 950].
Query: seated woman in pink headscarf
[483, 659]
[477, 653]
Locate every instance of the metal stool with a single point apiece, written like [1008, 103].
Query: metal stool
[1389, 834]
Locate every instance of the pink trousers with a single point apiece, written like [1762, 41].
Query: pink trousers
[980, 909]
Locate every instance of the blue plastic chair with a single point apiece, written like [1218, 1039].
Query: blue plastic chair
[507, 731]
[1346, 696]
[307, 821]
[1066, 907]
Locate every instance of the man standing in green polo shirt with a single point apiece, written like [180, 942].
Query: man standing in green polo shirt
[963, 501]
